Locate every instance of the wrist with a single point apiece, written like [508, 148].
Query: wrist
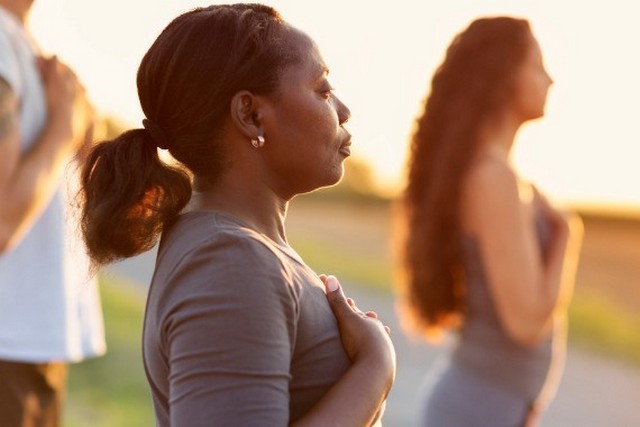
[381, 367]
[58, 138]
[58, 131]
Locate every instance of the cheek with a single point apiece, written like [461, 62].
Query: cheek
[531, 92]
[313, 126]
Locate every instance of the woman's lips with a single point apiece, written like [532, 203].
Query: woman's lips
[345, 148]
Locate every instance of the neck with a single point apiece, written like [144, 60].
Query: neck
[18, 8]
[256, 205]
[498, 137]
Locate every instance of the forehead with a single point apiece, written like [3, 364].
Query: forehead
[534, 47]
[310, 63]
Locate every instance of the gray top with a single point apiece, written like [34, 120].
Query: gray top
[484, 348]
[237, 329]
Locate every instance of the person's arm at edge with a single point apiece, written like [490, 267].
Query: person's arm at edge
[29, 180]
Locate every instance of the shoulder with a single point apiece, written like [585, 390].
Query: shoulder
[212, 251]
[490, 193]
[219, 234]
[489, 182]
[213, 272]
[486, 175]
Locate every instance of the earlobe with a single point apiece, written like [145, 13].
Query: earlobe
[245, 114]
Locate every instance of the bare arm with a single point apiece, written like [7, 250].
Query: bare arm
[526, 288]
[357, 399]
[28, 180]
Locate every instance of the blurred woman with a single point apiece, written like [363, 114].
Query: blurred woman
[238, 330]
[485, 253]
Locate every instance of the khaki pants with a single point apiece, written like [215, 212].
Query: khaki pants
[31, 395]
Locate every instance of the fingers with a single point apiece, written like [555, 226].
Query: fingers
[342, 305]
[52, 68]
[355, 308]
[331, 284]
[336, 298]
[374, 315]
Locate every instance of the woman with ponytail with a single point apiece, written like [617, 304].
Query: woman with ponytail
[238, 330]
[485, 253]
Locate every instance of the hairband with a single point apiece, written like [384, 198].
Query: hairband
[157, 134]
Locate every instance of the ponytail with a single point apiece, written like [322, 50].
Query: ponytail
[128, 197]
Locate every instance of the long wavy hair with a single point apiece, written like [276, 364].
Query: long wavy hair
[474, 85]
[185, 84]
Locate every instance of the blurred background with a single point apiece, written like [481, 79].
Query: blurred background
[584, 154]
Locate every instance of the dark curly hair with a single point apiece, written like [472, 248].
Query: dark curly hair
[473, 85]
[185, 84]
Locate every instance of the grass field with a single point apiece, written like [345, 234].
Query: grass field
[352, 241]
[112, 390]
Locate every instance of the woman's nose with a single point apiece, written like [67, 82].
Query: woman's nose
[344, 114]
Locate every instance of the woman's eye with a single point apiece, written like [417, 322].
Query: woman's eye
[327, 92]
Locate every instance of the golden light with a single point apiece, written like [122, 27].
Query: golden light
[382, 57]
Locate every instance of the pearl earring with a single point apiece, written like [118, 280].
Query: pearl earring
[259, 142]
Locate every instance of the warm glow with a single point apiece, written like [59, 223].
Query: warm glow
[381, 59]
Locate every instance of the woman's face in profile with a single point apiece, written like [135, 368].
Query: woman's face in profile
[303, 124]
[532, 84]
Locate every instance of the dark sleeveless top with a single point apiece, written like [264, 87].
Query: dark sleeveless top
[484, 349]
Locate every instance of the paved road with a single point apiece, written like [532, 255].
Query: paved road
[594, 392]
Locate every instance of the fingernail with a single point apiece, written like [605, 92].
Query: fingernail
[332, 284]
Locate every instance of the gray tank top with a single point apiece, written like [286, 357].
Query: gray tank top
[484, 349]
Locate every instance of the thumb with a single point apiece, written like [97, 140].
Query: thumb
[335, 296]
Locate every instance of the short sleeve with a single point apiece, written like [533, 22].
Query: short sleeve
[229, 337]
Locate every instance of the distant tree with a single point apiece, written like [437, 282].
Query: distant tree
[358, 177]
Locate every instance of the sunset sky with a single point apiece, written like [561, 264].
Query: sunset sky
[382, 55]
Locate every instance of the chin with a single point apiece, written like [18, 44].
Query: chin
[319, 185]
[331, 179]
[533, 115]
[336, 176]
